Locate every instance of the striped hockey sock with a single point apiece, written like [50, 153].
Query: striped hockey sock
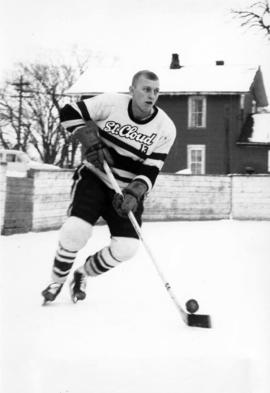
[100, 262]
[63, 263]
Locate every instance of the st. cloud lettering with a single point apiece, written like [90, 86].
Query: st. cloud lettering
[129, 132]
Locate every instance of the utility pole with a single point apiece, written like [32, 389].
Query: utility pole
[19, 86]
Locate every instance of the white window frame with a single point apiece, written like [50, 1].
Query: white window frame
[190, 149]
[193, 116]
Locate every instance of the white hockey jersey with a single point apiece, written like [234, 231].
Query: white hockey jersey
[138, 147]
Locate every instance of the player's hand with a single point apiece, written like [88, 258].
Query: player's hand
[123, 204]
[97, 154]
[94, 149]
[132, 196]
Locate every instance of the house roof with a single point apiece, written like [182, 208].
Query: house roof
[256, 130]
[221, 79]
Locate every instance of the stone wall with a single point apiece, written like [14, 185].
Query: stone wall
[251, 197]
[36, 202]
[18, 205]
[3, 184]
[185, 197]
[51, 198]
[40, 200]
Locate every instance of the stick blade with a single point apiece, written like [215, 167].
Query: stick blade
[199, 320]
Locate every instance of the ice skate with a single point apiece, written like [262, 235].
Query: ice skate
[77, 286]
[51, 292]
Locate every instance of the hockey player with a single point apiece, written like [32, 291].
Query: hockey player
[134, 136]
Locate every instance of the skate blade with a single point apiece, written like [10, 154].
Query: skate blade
[74, 299]
[77, 298]
[199, 320]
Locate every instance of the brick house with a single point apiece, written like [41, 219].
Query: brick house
[212, 107]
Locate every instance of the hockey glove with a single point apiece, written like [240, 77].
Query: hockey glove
[129, 201]
[95, 151]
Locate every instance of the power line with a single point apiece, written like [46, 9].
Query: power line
[19, 86]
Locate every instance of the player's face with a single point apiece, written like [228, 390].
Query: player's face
[144, 96]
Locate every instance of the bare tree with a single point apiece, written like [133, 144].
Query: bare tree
[29, 111]
[257, 16]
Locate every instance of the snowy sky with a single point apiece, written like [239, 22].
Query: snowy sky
[200, 31]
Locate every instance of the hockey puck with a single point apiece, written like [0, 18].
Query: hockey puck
[192, 306]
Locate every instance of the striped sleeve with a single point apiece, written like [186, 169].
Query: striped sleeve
[70, 117]
[95, 108]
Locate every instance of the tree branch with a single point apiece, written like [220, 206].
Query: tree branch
[255, 16]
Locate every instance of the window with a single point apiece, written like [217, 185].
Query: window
[196, 159]
[268, 165]
[197, 112]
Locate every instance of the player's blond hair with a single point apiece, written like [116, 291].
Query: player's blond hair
[146, 73]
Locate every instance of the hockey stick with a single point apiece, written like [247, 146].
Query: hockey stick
[197, 320]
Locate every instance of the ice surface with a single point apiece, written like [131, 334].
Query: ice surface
[127, 337]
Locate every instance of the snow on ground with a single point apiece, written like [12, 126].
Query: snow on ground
[127, 337]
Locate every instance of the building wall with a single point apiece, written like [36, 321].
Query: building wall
[248, 104]
[255, 157]
[224, 123]
[220, 135]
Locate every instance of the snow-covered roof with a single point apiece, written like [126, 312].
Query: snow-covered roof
[256, 130]
[261, 128]
[229, 79]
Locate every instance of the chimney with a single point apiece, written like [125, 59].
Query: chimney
[175, 64]
[220, 62]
